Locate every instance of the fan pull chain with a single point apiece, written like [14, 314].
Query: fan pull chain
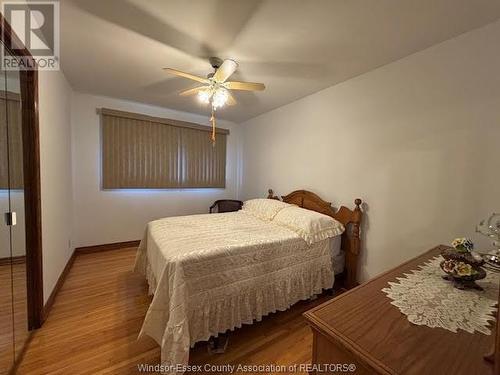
[212, 120]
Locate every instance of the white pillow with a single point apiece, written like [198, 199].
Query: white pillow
[265, 209]
[310, 225]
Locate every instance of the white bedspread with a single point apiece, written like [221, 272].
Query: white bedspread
[211, 273]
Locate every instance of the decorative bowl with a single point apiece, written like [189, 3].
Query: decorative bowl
[462, 268]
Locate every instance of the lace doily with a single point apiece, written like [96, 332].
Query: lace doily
[426, 299]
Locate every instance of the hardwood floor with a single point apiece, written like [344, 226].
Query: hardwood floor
[97, 315]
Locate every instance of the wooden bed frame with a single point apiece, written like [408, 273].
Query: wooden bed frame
[351, 219]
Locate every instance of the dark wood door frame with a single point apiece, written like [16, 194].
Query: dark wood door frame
[31, 169]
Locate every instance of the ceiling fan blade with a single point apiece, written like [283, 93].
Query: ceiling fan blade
[192, 91]
[227, 68]
[230, 99]
[248, 86]
[186, 75]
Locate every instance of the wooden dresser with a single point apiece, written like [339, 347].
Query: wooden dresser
[363, 328]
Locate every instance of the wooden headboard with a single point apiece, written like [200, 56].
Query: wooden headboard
[351, 219]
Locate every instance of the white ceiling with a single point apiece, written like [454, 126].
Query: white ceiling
[296, 47]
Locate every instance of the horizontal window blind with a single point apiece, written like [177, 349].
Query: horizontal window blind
[139, 151]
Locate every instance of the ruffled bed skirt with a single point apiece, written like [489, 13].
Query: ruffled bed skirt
[218, 316]
[211, 313]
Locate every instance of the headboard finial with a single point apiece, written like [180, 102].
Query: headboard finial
[358, 202]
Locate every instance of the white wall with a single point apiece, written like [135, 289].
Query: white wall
[114, 216]
[416, 139]
[56, 177]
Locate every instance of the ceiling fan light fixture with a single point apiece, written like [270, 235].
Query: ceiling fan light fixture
[204, 96]
[220, 97]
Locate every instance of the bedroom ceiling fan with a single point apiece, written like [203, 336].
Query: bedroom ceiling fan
[216, 88]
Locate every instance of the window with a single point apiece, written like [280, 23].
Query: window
[139, 151]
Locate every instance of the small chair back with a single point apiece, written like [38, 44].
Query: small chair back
[226, 205]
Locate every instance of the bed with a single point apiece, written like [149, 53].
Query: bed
[212, 273]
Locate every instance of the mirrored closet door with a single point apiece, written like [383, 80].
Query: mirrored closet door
[13, 286]
[6, 301]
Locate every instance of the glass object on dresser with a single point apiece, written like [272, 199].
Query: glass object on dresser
[491, 228]
[13, 292]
